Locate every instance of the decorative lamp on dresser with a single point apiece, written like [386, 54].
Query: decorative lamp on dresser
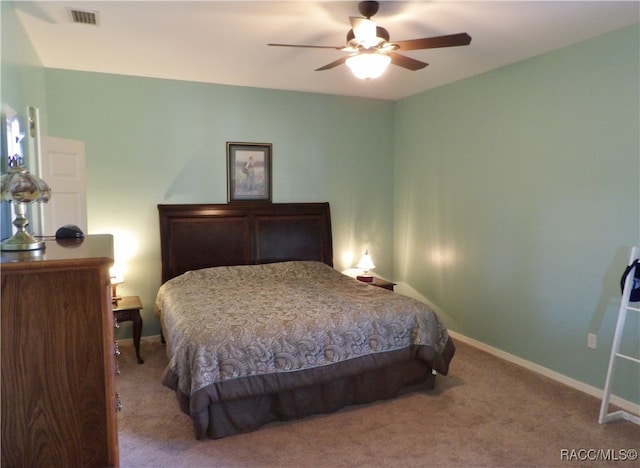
[57, 354]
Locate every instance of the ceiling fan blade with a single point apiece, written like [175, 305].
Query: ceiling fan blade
[406, 62]
[308, 46]
[334, 64]
[363, 29]
[450, 40]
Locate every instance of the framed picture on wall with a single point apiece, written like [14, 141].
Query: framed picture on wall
[248, 171]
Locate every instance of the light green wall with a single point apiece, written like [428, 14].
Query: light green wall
[517, 199]
[151, 141]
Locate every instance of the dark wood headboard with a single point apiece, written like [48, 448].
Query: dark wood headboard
[202, 236]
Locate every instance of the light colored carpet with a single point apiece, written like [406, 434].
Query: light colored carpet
[486, 412]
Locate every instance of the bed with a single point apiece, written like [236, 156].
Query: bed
[260, 327]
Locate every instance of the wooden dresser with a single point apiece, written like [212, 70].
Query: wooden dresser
[57, 353]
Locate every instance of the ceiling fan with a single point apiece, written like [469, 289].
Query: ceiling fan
[370, 51]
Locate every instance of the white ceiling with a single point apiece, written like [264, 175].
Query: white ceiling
[225, 42]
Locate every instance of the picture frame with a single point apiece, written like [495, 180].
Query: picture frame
[248, 171]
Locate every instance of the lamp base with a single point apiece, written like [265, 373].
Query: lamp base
[22, 240]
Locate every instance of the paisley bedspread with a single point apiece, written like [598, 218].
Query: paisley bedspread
[228, 323]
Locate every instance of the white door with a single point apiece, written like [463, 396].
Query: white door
[63, 168]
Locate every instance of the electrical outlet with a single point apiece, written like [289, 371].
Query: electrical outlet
[591, 340]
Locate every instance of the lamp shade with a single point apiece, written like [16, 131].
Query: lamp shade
[117, 276]
[20, 187]
[365, 262]
[368, 64]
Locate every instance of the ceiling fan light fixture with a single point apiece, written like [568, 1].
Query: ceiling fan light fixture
[368, 65]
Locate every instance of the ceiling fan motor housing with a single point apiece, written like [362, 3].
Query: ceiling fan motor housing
[368, 9]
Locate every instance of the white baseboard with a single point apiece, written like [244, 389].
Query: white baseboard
[626, 405]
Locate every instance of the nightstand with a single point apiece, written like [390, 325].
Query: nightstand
[128, 308]
[384, 284]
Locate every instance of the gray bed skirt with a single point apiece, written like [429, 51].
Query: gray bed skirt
[244, 405]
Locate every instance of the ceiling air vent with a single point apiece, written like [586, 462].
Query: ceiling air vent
[84, 17]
